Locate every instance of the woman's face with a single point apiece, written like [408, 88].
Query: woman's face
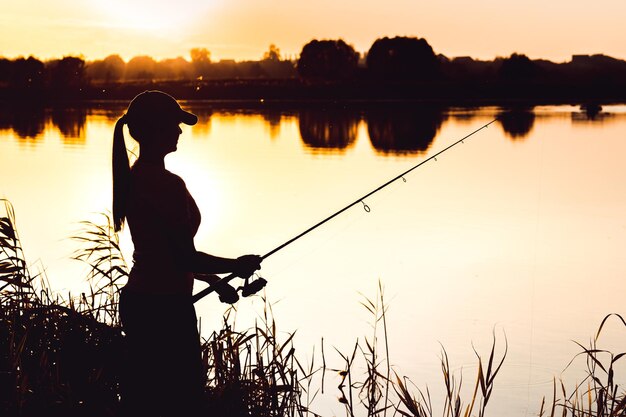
[168, 136]
[159, 138]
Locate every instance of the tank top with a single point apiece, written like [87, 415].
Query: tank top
[163, 218]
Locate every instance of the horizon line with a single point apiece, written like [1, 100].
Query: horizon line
[284, 57]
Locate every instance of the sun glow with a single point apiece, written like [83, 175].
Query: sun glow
[157, 17]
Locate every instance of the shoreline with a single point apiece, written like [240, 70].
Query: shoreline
[300, 93]
[355, 103]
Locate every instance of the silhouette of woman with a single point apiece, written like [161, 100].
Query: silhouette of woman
[164, 368]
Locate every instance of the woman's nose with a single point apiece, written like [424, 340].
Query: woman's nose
[180, 130]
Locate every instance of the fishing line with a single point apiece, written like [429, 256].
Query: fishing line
[324, 244]
[533, 275]
[361, 200]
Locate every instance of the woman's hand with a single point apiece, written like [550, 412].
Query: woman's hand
[246, 265]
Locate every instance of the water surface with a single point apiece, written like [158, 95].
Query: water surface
[520, 230]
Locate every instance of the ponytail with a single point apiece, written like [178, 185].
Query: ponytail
[121, 175]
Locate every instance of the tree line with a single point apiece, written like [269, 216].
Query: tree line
[386, 69]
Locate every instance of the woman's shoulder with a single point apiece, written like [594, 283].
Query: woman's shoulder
[150, 178]
[172, 179]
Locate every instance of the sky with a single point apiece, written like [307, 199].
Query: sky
[244, 29]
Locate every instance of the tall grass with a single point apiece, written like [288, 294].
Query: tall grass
[598, 394]
[56, 357]
[108, 269]
[380, 393]
[63, 355]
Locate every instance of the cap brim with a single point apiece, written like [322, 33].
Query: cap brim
[188, 118]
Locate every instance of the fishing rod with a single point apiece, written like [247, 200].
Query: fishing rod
[360, 200]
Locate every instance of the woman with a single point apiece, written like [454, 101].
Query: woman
[164, 370]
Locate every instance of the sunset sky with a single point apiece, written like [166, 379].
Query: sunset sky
[243, 29]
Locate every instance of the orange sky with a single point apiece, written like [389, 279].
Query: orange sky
[243, 29]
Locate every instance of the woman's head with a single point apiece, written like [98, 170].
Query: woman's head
[151, 112]
[153, 119]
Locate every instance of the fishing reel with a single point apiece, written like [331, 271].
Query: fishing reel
[251, 288]
[229, 295]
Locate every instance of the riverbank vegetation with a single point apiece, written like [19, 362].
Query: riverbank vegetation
[396, 68]
[62, 355]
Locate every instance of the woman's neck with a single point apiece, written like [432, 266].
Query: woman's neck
[151, 159]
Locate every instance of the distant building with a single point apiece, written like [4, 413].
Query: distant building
[463, 59]
[582, 59]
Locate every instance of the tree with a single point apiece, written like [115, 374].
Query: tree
[114, 67]
[200, 55]
[67, 73]
[109, 69]
[517, 67]
[273, 54]
[140, 67]
[327, 60]
[27, 73]
[6, 67]
[201, 61]
[402, 58]
[273, 66]
[173, 69]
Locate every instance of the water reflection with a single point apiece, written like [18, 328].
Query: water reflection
[71, 123]
[273, 120]
[591, 110]
[464, 116]
[111, 111]
[328, 129]
[28, 122]
[590, 114]
[393, 129]
[403, 130]
[204, 113]
[517, 123]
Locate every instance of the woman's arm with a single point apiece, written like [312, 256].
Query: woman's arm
[192, 260]
[243, 267]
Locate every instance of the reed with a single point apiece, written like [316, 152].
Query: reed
[598, 394]
[379, 393]
[62, 355]
[251, 373]
[374, 391]
[108, 269]
[56, 357]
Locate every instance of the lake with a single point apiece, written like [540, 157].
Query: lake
[520, 230]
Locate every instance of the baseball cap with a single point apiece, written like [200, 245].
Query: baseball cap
[154, 105]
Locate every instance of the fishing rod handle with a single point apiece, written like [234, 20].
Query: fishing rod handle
[208, 290]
